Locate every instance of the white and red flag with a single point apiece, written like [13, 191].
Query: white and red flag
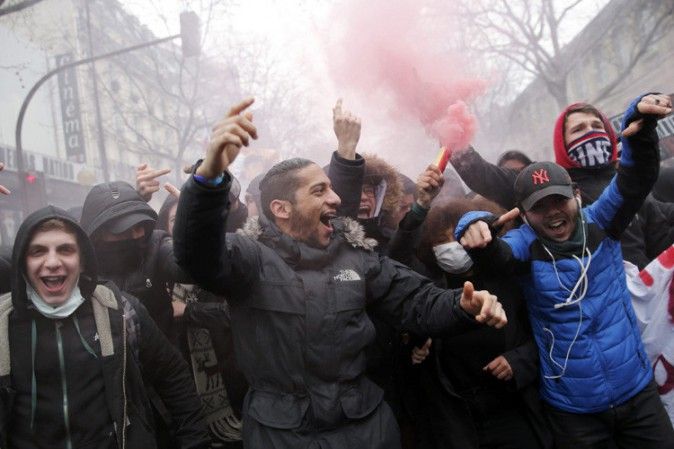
[652, 293]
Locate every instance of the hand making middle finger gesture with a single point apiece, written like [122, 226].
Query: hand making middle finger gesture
[146, 180]
[347, 129]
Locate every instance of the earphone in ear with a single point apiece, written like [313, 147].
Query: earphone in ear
[524, 219]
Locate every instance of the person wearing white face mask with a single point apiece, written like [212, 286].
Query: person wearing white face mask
[478, 373]
[452, 258]
[77, 357]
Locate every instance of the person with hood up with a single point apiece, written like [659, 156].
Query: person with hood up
[77, 355]
[133, 254]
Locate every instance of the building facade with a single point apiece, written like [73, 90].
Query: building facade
[97, 122]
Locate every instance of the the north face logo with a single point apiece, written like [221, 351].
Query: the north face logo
[347, 275]
[540, 176]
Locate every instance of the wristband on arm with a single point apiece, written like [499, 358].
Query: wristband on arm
[210, 182]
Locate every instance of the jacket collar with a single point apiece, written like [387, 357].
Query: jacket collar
[300, 255]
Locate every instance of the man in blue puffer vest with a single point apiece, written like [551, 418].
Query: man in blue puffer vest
[595, 378]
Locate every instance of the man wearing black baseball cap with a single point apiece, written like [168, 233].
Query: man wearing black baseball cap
[545, 187]
[596, 379]
[130, 252]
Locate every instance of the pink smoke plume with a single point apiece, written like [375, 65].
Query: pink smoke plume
[384, 46]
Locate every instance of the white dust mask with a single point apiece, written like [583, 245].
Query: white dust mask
[452, 258]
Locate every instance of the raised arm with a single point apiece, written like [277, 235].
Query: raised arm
[346, 166]
[639, 165]
[216, 262]
[406, 238]
[490, 181]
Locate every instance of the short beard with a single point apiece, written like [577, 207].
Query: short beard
[302, 228]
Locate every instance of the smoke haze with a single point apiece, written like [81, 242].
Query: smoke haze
[384, 50]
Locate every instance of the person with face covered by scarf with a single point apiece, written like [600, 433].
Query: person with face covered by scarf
[130, 252]
[138, 259]
[481, 374]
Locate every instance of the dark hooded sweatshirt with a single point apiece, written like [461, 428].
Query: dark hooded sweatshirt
[62, 392]
[141, 268]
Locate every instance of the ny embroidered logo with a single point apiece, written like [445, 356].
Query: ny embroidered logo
[540, 176]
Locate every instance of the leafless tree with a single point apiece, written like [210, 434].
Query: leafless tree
[530, 35]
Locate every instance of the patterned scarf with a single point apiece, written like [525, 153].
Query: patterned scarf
[224, 425]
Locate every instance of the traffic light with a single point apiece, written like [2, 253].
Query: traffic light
[35, 194]
[190, 33]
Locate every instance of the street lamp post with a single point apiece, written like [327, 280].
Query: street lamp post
[187, 33]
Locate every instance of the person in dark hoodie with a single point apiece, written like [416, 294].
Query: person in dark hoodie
[131, 252]
[77, 355]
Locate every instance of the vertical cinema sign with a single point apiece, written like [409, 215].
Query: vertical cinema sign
[70, 110]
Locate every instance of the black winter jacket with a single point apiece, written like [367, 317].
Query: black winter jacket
[442, 417]
[299, 316]
[101, 389]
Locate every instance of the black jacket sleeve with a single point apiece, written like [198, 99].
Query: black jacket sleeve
[346, 177]
[523, 360]
[217, 261]
[169, 269]
[407, 300]
[637, 172]
[209, 315]
[404, 242]
[165, 369]
[492, 182]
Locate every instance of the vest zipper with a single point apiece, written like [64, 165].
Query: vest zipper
[64, 384]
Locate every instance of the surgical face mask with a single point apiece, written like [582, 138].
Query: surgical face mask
[452, 258]
[62, 311]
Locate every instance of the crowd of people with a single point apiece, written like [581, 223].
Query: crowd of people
[349, 306]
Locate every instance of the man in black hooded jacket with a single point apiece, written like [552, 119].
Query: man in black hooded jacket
[130, 251]
[76, 355]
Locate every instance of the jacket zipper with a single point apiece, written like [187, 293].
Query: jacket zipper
[64, 384]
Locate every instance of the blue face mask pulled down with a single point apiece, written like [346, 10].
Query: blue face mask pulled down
[61, 311]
